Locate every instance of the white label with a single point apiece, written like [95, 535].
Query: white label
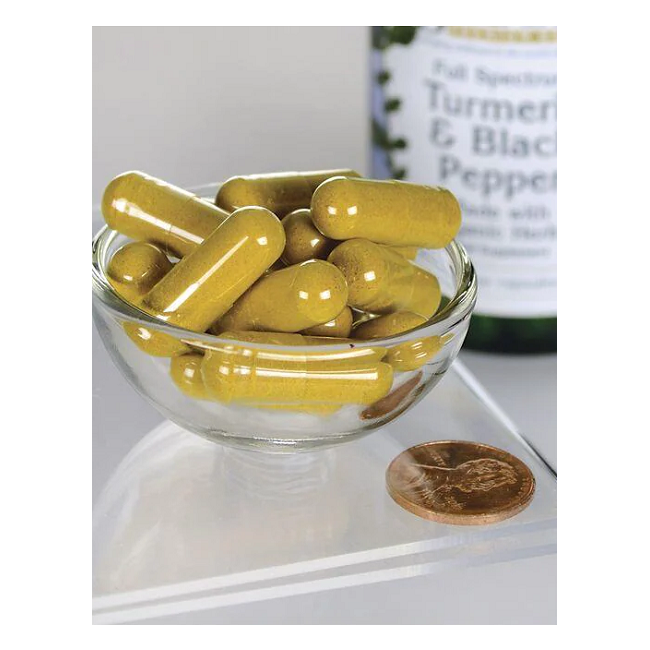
[478, 113]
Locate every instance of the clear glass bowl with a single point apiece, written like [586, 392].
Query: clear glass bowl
[287, 423]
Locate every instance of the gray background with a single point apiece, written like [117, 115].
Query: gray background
[195, 105]
[198, 104]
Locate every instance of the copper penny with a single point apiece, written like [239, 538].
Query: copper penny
[460, 482]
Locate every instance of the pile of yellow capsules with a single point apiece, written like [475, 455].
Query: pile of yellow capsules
[290, 259]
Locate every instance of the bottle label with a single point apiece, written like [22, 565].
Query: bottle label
[474, 109]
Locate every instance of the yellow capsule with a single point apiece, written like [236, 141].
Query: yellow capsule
[206, 283]
[289, 300]
[281, 193]
[388, 325]
[352, 353]
[236, 373]
[135, 268]
[339, 327]
[304, 241]
[386, 212]
[146, 208]
[404, 356]
[154, 343]
[408, 252]
[381, 281]
[272, 338]
[132, 271]
[185, 371]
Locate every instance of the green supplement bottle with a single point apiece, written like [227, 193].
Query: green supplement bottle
[474, 110]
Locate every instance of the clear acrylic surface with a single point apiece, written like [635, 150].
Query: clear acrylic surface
[186, 525]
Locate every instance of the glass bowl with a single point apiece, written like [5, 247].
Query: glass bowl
[346, 400]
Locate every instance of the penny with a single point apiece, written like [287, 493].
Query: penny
[460, 482]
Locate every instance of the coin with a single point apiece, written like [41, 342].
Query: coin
[460, 482]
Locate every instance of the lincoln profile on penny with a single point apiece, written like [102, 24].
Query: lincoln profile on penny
[473, 477]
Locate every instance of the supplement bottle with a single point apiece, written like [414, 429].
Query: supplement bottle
[474, 110]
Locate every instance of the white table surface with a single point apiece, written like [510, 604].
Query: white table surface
[520, 592]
